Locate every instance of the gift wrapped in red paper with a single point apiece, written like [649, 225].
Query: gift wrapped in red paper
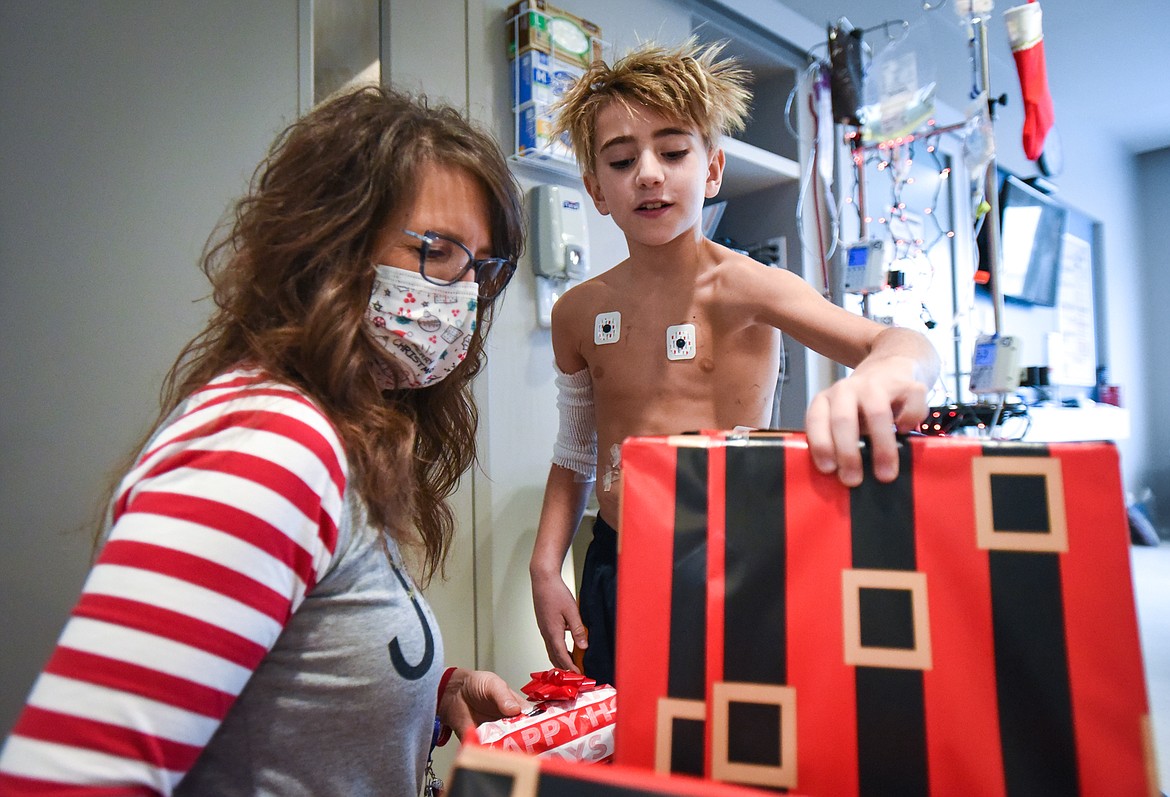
[968, 629]
[572, 717]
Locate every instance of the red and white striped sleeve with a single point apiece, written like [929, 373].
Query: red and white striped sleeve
[218, 532]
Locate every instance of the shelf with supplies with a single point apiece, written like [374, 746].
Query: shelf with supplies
[748, 168]
[548, 49]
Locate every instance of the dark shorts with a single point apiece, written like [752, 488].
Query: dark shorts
[598, 602]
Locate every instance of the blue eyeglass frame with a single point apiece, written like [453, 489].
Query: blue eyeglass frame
[501, 265]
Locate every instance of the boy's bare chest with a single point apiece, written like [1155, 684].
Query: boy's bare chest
[657, 358]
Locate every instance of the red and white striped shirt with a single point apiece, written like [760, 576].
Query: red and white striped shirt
[219, 532]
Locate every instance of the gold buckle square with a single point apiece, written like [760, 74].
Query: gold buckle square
[858, 655]
[724, 693]
[523, 769]
[670, 709]
[987, 537]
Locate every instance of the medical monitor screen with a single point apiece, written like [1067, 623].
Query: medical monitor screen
[1031, 234]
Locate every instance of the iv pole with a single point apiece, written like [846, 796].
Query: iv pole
[977, 13]
[979, 20]
[980, 11]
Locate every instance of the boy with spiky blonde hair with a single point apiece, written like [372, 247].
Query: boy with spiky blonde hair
[685, 334]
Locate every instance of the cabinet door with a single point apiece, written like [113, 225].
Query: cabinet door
[424, 47]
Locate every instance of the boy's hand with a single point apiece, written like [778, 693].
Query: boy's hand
[557, 612]
[474, 697]
[876, 400]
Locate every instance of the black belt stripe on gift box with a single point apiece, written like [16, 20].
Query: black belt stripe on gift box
[891, 716]
[755, 613]
[754, 643]
[1031, 658]
[686, 679]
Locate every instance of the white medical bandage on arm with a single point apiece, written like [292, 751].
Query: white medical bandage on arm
[576, 446]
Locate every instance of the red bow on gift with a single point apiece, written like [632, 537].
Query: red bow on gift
[557, 684]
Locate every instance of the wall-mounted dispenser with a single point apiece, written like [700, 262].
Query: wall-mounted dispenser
[560, 251]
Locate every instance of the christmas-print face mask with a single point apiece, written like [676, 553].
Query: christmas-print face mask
[425, 328]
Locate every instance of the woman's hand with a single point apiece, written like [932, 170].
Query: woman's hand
[473, 697]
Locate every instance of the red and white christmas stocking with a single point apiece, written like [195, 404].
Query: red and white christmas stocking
[1026, 35]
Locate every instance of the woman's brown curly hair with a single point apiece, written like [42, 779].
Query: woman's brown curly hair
[292, 272]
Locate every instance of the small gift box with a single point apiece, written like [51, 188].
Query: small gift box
[572, 717]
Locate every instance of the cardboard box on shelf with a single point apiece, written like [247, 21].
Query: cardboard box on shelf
[538, 78]
[537, 25]
[967, 629]
[534, 135]
[537, 82]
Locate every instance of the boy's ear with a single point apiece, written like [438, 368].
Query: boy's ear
[594, 189]
[715, 172]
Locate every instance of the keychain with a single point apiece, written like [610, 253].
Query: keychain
[434, 784]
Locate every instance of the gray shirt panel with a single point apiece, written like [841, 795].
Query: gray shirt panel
[331, 710]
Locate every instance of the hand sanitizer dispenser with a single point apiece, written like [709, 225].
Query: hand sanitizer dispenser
[560, 252]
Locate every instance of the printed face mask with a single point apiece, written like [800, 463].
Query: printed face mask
[425, 328]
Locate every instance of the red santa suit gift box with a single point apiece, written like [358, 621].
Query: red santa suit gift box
[968, 629]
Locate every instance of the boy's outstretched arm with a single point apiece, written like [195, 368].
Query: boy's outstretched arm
[894, 369]
[565, 496]
[886, 393]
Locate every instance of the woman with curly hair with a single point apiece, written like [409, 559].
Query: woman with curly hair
[252, 624]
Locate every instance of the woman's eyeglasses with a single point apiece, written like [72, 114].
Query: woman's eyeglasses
[444, 261]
